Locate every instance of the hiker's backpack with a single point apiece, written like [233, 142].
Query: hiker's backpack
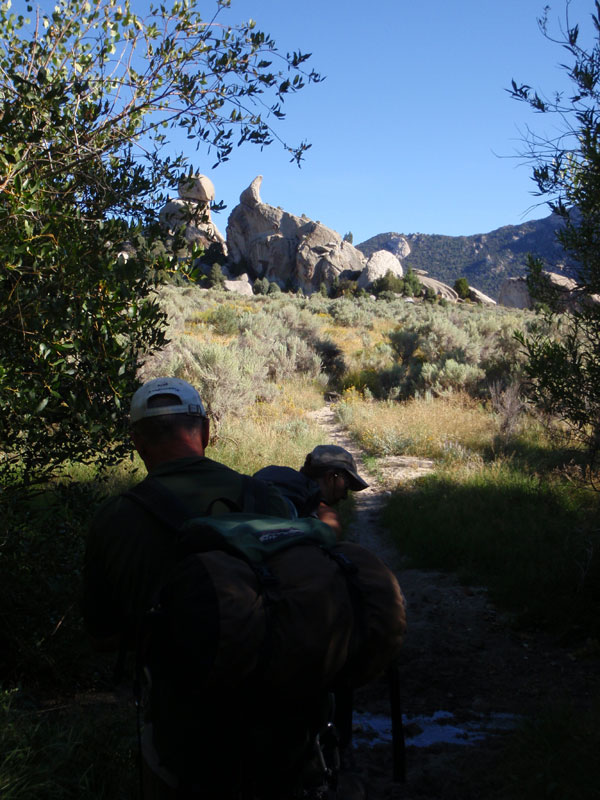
[269, 601]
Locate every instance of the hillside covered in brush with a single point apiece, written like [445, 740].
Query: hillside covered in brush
[485, 259]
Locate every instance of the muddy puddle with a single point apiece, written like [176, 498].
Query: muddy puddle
[442, 727]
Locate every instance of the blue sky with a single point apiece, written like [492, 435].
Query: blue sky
[412, 130]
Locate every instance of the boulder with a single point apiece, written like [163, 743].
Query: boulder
[394, 243]
[292, 251]
[560, 282]
[197, 189]
[378, 265]
[514, 293]
[192, 209]
[479, 297]
[241, 286]
[438, 287]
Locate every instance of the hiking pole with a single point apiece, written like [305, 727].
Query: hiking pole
[398, 746]
[137, 692]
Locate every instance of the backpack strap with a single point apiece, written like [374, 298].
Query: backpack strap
[172, 512]
[160, 502]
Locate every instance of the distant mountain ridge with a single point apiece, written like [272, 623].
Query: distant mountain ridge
[484, 259]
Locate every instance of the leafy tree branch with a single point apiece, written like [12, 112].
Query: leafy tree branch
[90, 91]
[563, 364]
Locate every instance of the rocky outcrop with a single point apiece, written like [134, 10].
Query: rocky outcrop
[294, 252]
[475, 296]
[394, 243]
[192, 209]
[514, 293]
[378, 265]
[446, 292]
[241, 285]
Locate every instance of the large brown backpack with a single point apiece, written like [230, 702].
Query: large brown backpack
[274, 601]
[260, 605]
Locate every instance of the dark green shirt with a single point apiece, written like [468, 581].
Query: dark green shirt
[129, 551]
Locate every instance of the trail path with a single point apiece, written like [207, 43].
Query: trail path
[466, 676]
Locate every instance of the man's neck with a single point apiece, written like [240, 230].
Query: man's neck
[184, 446]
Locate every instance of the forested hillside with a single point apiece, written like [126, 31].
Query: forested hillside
[485, 259]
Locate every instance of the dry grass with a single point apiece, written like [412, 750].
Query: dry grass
[273, 433]
[354, 341]
[428, 427]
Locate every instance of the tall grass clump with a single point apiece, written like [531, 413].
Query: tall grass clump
[425, 426]
[532, 540]
[66, 752]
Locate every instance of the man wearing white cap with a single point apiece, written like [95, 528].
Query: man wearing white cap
[129, 552]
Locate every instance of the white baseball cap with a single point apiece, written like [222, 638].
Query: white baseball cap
[186, 399]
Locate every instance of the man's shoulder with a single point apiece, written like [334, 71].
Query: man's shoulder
[207, 480]
[302, 491]
[114, 506]
[274, 473]
[197, 483]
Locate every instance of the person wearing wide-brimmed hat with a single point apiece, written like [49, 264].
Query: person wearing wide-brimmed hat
[328, 473]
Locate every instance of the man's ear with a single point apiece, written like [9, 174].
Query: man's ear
[205, 432]
[141, 446]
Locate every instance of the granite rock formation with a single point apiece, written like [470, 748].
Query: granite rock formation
[514, 293]
[192, 209]
[294, 252]
[394, 243]
[479, 297]
[379, 264]
[443, 291]
[240, 285]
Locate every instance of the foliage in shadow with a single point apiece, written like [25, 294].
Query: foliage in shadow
[535, 545]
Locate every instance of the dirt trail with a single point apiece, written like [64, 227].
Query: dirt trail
[461, 662]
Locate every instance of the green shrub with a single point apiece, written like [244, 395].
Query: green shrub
[451, 376]
[349, 314]
[462, 289]
[343, 287]
[260, 286]
[388, 283]
[412, 285]
[388, 295]
[224, 320]
[216, 277]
